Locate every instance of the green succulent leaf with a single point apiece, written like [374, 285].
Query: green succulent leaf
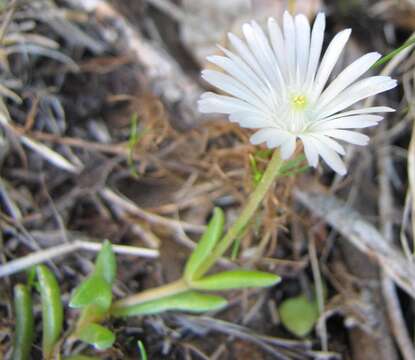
[299, 315]
[106, 264]
[143, 352]
[24, 323]
[94, 290]
[52, 310]
[190, 301]
[236, 279]
[206, 244]
[98, 336]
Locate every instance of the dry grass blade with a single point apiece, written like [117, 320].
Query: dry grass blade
[50, 155]
[411, 178]
[4, 91]
[39, 50]
[386, 208]
[129, 206]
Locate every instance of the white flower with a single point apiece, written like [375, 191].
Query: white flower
[277, 84]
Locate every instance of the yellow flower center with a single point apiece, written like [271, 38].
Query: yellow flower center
[299, 102]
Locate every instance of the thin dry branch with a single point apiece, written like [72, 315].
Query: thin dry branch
[41, 256]
[363, 235]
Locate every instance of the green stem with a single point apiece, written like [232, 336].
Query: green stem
[174, 288]
[254, 201]
[392, 54]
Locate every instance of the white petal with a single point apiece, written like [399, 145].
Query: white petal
[214, 103]
[329, 60]
[278, 45]
[242, 73]
[250, 120]
[351, 137]
[273, 137]
[332, 144]
[247, 56]
[288, 147]
[346, 77]
[302, 33]
[368, 110]
[349, 122]
[317, 37]
[233, 87]
[260, 47]
[358, 91]
[310, 150]
[331, 158]
[289, 40]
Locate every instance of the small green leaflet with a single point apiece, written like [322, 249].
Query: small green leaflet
[206, 244]
[98, 336]
[299, 315]
[94, 290]
[106, 264]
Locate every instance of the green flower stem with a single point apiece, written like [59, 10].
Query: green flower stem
[174, 288]
[180, 286]
[254, 201]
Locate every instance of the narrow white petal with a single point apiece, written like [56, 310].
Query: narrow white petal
[251, 120]
[278, 45]
[331, 158]
[349, 122]
[332, 144]
[329, 60]
[233, 87]
[358, 91]
[368, 110]
[310, 150]
[248, 78]
[273, 137]
[213, 103]
[302, 33]
[270, 56]
[288, 147]
[317, 37]
[289, 40]
[247, 56]
[351, 137]
[349, 75]
[266, 57]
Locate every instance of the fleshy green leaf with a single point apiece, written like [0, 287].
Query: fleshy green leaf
[206, 244]
[52, 310]
[106, 264]
[299, 315]
[188, 301]
[236, 279]
[94, 290]
[143, 352]
[24, 323]
[98, 336]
